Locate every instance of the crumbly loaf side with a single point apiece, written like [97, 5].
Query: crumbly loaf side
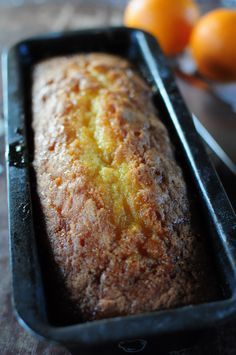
[113, 197]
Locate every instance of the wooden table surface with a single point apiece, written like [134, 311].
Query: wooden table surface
[20, 21]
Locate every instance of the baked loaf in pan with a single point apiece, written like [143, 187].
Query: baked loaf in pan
[113, 197]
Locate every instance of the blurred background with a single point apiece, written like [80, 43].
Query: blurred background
[213, 103]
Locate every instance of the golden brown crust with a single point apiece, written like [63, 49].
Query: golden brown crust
[113, 196]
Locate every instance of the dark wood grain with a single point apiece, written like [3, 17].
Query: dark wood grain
[20, 22]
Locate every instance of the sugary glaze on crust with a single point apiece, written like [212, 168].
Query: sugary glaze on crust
[113, 197]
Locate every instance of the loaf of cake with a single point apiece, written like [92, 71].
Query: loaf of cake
[113, 197]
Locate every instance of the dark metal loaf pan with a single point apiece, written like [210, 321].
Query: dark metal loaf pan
[144, 332]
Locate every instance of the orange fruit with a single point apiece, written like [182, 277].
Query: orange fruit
[170, 21]
[213, 44]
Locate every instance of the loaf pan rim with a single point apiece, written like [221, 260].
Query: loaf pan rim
[55, 333]
[92, 333]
